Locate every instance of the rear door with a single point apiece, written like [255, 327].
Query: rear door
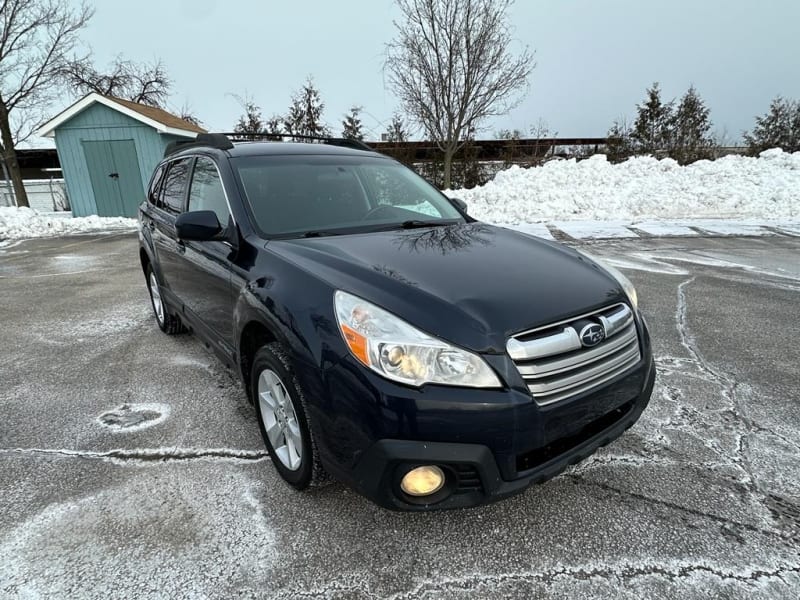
[169, 250]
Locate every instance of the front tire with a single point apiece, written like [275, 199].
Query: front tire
[283, 418]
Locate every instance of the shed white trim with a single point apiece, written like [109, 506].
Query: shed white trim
[48, 129]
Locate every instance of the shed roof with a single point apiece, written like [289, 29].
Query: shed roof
[156, 118]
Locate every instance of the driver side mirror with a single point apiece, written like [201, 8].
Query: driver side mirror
[459, 203]
[198, 225]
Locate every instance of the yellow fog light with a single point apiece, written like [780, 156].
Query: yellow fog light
[423, 481]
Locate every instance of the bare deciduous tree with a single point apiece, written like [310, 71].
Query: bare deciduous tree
[451, 67]
[187, 114]
[145, 83]
[37, 38]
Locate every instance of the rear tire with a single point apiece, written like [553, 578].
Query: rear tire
[167, 322]
[283, 418]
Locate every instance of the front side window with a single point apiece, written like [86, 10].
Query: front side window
[174, 188]
[206, 191]
[295, 195]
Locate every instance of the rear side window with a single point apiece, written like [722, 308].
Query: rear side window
[155, 186]
[206, 192]
[174, 189]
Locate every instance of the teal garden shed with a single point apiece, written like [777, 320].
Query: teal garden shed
[108, 148]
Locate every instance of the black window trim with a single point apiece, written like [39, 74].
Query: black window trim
[195, 157]
[167, 164]
[157, 191]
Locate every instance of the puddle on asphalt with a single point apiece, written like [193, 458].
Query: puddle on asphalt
[134, 417]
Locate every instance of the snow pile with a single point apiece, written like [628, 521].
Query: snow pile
[18, 223]
[641, 188]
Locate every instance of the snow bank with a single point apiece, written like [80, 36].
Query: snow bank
[18, 223]
[641, 188]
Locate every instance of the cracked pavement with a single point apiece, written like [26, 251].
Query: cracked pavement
[131, 464]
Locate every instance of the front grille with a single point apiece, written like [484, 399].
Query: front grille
[557, 365]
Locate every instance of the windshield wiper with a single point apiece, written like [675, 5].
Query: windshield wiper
[320, 233]
[417, 223]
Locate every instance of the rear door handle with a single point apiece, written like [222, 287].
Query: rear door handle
[181, 246]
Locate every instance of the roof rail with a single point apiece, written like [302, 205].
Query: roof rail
[219, 141]
[222, 141]
[281, 137]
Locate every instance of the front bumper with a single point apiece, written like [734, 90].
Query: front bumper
[473, 476]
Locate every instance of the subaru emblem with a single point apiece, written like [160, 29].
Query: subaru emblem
[592, 334]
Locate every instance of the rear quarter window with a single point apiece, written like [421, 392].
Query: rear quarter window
[155, 186]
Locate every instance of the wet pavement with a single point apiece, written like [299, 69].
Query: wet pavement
[131, 463]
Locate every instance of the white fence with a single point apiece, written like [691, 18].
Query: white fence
[44, 195]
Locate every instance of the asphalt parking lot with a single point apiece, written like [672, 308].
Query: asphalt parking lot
[131, 463]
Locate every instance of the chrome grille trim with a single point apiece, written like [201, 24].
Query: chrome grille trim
[556, 366]
[545, 368]
[564, 341]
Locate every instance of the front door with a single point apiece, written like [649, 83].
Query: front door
[116, 180]
[204, 279]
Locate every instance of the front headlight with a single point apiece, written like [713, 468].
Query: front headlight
[396, 350]
[626, 284]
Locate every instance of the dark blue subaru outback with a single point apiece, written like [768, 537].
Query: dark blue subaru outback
[387, 339]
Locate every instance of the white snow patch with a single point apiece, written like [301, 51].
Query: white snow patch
[188, 361]
[134, 417]
[143, 536]
[641, 189]
[18, 223]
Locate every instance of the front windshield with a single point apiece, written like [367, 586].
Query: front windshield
[297, 195]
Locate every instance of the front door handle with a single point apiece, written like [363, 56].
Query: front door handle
[114, 175]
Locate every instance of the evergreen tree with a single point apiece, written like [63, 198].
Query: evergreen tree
[251, 121]
[652, 130]
[619, 145]
[274, 125]
[351, 125]
[778, 128]
[305, 113]
[691, 124]
[397, 130]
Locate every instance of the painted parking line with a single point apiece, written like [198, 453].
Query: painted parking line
[595, 229]
[538, 229]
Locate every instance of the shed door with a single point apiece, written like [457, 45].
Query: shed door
[116, 180]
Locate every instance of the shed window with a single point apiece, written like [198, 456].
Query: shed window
[206, 192]
[174, 189]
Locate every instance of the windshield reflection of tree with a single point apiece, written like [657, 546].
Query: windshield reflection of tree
[450, 238]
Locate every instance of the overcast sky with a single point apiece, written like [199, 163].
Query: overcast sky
[594, 58]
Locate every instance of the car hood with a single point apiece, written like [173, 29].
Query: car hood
[472, 284]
